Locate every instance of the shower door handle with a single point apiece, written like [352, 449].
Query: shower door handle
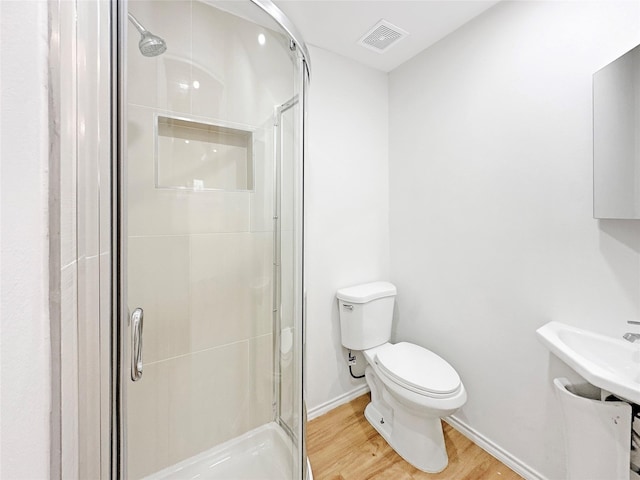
[137, 318]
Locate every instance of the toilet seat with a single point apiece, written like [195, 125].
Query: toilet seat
[418, 369]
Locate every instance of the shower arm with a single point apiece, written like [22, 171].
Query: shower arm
[137, 24]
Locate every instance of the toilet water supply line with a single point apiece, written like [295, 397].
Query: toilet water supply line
[351, 362]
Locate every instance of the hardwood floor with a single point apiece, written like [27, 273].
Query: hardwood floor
[343, 446]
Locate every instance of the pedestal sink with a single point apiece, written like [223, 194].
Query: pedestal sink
[609, 363]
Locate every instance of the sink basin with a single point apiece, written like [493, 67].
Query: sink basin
[609, 363]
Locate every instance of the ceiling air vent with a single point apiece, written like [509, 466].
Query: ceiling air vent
[382, 36]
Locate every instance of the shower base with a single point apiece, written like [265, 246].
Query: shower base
[261, 454]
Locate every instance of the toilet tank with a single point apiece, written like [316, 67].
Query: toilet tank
[366, 313]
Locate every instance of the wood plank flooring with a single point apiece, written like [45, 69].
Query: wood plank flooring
[342, 445]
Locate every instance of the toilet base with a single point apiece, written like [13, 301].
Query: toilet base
[415, 435]
[419, 441]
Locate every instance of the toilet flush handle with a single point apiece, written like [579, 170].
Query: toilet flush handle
[347, 306]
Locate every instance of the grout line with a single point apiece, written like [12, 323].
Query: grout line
[243, 232]
[182, 355]
[70, 264]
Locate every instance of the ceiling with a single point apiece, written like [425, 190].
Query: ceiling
[337, 25]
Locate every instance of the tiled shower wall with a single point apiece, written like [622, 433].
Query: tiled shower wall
[200, 262]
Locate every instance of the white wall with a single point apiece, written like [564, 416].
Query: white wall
[491, 212]
[346, 204]
[25, 379]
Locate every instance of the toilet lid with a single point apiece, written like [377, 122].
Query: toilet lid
[418, 369]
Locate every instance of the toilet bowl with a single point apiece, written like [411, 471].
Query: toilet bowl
[408, 416]
[418, 378]
[411, 387]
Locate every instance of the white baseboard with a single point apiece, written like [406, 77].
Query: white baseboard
[336, 402]
[505, 457]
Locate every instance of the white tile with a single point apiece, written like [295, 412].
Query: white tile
[158, 282]
[287, 278]
[261, 378]
[261, 283]
[262, 76]
[209, 98]
[208, 212]
[102, 150]
[262, 208]
[174, 83]
[88, 214]
[105, 359]
[154, 211]
[89, 373]
[213, 160]
[255, 77]
[69, 369]
[148, 420]
[142, 72]
[212, 42]
[104, 196]
[160, 81]
[209, 399]
[231, 278]
[66, 189]
[288, 127]
[289, 371]
[68, 208]
[93, 124]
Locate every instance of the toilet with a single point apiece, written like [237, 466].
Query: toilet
[412, 388]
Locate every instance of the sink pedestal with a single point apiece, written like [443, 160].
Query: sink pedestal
[597, 433]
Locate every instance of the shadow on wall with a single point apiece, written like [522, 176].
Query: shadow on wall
[396, 319]
[624, 231]
[342, 354]
[616, 235]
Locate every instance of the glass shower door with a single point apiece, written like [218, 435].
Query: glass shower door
[211, 238]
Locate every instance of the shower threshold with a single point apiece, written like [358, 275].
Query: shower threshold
[264, 453]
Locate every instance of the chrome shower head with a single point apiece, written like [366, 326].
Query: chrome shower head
[150, 45]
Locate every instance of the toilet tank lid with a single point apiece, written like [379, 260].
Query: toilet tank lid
[366, 292]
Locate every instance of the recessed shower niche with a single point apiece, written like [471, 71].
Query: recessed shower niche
[203, 156]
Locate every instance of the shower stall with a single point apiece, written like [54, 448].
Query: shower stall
[207, 295]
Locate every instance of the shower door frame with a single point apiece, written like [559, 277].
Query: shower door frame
[278, 142]
[119, 312]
